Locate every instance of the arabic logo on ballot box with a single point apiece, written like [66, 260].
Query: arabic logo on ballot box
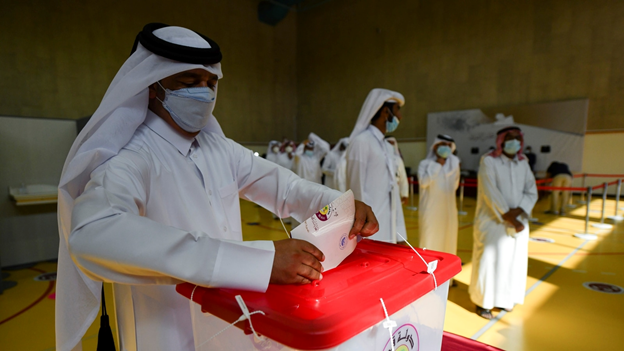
[325, 213]
[405, 339]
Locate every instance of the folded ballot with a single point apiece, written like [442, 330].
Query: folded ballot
[328, 230]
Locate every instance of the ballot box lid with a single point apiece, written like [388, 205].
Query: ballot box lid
[326, 313]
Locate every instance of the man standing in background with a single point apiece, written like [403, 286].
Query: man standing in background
[438, 179]
[273, 151]
[371, 169]
[505, 198]
[308, 158]
[286, 156]
[561, 178]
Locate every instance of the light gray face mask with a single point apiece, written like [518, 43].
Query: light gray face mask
[190, 108]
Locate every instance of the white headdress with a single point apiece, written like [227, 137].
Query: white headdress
[372, 104]
[452, 161]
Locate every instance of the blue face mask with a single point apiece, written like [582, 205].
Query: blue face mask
[309, 153]
[190, 108]
[392, 126]
[512, 147]
[443, 151]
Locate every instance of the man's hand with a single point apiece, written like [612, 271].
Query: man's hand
[404, 200]
[365, 222]
[511, 217]
[296, 262]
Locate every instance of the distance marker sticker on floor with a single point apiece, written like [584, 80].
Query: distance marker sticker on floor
[604, 287]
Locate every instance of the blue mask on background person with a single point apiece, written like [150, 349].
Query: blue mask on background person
[309, 153]
[512, 146]
[190, 108]
[393, 125]
[443, 151]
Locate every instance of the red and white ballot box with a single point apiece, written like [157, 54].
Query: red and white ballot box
[341, 312]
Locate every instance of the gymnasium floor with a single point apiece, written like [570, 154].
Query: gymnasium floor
[559, 313]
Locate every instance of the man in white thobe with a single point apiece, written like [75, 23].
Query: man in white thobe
[149, 198]
[330, 164]
[505, 198]
[286, 157]
[438, 179]
[273, 151]
[371, 170]
[308, 158]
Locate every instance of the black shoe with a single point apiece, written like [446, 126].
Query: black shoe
[485, 313]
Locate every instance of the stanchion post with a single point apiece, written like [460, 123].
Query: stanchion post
[604, 201]
[602, 224]
[617, 217]
[589, 196]
[411, 187]
[583, 185]
[586, 235]
[617, 196]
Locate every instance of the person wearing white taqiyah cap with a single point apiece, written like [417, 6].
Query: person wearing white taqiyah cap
[505, 198]
[371, 170]
[148, 198]
[331, 163]
[273, 151]
[438, 179]
[308, 158]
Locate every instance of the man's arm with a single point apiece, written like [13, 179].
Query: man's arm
[282, 192]
[428, 171]
[112, 241]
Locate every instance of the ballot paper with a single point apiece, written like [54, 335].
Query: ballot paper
[328, 230]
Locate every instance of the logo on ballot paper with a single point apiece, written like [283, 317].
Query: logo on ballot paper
[325, 213]
[405, 339]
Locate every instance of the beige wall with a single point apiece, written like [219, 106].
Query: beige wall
[58, 57]
[458, 54]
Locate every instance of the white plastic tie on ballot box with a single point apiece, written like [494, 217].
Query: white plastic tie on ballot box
[245, 316]
[431, 266]
[388, 323]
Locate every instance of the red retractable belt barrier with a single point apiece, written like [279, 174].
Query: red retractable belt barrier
[562, 188]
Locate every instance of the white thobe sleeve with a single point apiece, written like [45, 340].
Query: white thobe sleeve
[112, 241]
[278, 189]
[529, 194]
[487, 183]
[428, 171]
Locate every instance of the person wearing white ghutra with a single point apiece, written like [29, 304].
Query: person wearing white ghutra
[149, 198]
[371, 169]
[505, 198]
[438, 179]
